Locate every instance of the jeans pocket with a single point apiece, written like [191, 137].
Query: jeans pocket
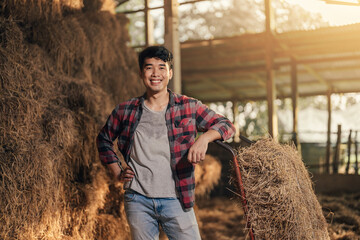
[129, 196]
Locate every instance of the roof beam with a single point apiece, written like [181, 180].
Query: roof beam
[342, 3]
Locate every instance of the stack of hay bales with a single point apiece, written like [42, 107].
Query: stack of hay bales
[280, 198]
[64, 66]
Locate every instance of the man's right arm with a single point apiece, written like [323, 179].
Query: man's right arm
[108, 134]
[115, 170]
[105, 142]
[105, 145]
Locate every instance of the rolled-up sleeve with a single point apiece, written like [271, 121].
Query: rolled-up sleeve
[105, 139]
[207, 119]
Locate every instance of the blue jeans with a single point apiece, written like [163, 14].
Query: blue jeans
[146, 214]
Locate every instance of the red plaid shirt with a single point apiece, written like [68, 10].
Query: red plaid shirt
[184, 117]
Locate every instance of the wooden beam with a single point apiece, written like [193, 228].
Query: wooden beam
[327, 68]
[321, 49]
[315, 75]
[236, 121]
[330, 59]
[349, 47]
[337, 151]
[149, 26]
[215, 86]
[193, 73]
[244, 74]
[172, 41]
[341, 3]
[270, 81]
[201, 86]
[334, 42]
[193, 1]
[356, 154]
[259, 80]
[242, 61]
[328, 142]
[251, 97]
[295, 100]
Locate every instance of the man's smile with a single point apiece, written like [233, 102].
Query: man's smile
[155, 81]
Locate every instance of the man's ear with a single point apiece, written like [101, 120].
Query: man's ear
[141, 73]
[171, 74]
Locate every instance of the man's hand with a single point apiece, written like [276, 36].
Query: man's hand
[126, 175]
[123, 176]
[198, 150]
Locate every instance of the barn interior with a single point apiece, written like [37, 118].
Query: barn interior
[66, 63]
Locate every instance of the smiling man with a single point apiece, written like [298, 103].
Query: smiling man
[156, 135]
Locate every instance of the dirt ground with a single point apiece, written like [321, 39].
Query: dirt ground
[342, 213]
[222, 218]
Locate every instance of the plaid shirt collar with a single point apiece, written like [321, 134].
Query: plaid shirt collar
[174, 99]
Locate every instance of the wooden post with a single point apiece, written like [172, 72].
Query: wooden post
[349, 153]
[149, 26]
[328, 143]
[172, 41]
[356, 155]
[270, 82]
[236, 121]
[337, 151]
[295, 100]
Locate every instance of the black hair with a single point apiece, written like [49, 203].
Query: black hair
[156, 52]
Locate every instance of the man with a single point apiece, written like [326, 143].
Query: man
[156, 135]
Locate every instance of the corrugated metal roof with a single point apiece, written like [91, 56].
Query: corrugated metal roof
[234, 68]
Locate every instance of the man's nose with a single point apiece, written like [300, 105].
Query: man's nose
[155, 72]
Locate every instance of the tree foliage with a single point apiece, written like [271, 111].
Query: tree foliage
[220, 18]
[226, 18]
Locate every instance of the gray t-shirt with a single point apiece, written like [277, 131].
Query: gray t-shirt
[150, 157]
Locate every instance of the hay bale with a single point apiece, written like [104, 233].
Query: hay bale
[207, 175]
[60, 79]
[96, 5]
[281, 200]
[32, 11]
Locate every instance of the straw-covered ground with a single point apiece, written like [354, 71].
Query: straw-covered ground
[223, 218]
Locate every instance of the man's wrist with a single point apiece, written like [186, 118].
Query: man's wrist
[118, 177]
[210, 136]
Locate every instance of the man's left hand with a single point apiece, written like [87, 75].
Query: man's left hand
[198, 150]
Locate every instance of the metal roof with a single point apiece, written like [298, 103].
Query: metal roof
[327, 59]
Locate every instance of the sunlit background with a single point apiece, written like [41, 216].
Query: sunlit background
[335, 14]
[215, 19]
[224, 18]
[65, 64]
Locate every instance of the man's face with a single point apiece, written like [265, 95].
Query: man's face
[156, 75]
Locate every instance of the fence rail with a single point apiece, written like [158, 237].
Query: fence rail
[344, 152]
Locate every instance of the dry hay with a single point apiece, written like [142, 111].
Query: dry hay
[281, 200]
[343, 215]
[207, 175]
[62, 71]
[35, 11]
